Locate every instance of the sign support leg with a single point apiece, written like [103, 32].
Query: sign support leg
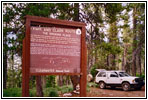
[83, 77]
[25, 77]
[26, 61]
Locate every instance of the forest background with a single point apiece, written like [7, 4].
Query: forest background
[115, 38]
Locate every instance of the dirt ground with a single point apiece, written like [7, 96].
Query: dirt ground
[118, 92]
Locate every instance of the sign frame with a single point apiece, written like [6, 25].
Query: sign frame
[34, 20]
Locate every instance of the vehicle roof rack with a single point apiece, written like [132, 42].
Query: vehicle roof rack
[100, 70]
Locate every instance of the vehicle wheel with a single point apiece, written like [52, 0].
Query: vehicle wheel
[126, 86]
[102, 85]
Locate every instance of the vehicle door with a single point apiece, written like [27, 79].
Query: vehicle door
[113, 78]
[101, 77]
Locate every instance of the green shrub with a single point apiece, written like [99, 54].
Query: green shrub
[65, 89]
[50, 92]
[53, 93]
[51, 81]
[32, 83]
[58, 88]
[92, 84]
[70, 89]
[12, 92]
[46, 91]
[93, 70]
[87, 88]
[142, 76]
[32, 92]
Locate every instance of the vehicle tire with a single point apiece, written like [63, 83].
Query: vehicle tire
[102, 85]
[126, 86]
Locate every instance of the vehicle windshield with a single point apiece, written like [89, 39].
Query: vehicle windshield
[123, 74]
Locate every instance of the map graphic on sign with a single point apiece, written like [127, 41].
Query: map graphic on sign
[55, 50]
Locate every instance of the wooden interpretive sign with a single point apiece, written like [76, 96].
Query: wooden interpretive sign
[53, 47]
[55, 50]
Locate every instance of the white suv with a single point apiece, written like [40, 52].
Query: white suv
[118, 79]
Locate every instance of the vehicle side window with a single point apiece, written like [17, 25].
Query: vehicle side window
[113, 74]
[102, 74]
[121, 75]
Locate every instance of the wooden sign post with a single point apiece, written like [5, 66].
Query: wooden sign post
[53, 47]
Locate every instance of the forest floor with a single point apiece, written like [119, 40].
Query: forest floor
[118, 92]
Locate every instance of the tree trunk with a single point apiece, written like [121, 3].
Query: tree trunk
[111, 61]
[75, 79]
[138, 60]
[96, 59]
[5, 70]
[60, 81]
[128, 67]
[124, 62]
[67, 80]
[88, 59]
[12, 69]
[76, 11]
[134, 64]
[114, 62]
[144, 65]
[107, 60]
[39, 92]
[134, 43]
[44, 81]
[5, 60]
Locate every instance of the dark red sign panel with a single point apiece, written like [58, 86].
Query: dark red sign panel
[55, 50]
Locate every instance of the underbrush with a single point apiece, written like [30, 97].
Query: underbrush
[12, 92]
[142, 76]
[91, 84]
[48, 92]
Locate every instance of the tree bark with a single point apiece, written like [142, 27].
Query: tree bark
[124, 61]
[75, 79]
[60, 81]
[108, 61]
[44, 81]
[96, 59]
[111, 61]
[76, 11]
[114, 62]
[67, 80]
[5, 70]
[138, 60]
[39, 92]
[134, 64]
[5, 60]
[134, 43]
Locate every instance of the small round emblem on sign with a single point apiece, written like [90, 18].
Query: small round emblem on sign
[78, 32]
